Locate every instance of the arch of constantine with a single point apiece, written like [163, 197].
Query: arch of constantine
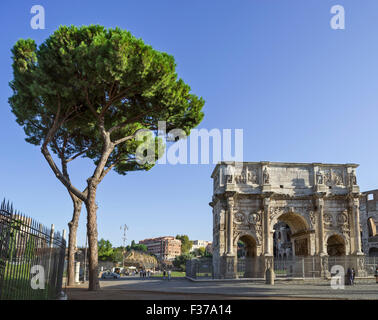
[319, 203]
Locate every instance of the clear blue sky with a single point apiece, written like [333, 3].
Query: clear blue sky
[301, 91]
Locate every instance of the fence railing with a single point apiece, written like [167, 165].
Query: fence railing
[297, 267]
[31, 258]
[309, 267]
[200, 268]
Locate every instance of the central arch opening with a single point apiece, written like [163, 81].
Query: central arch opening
[282, 246]
[297, 231]
[291, 245]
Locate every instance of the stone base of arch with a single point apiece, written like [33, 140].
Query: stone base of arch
[228, 267]
[324, 269]
[356, 261]
[359, 265]
[255, 267]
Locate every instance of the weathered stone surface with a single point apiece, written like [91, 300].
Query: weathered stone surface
[369, 222]
[140, 259]
[319, 202]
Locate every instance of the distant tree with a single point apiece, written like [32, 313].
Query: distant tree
[241, 249]
[117, 255]
[201, 251]
[140, 247]
[136, 247]
[105, 250]
[186, 244]
[180, 261]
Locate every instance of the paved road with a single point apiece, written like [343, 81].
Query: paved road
[130, 288]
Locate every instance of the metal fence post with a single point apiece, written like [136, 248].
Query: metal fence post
[50, 248]
[50, 254]
[303, 268]
[61, 259]
[52, 236]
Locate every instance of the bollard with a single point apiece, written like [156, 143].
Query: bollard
[77, 272]
[269, 276]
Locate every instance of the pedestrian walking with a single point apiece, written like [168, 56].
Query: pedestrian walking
[353, 276]
[376, 274]
[169, 275]
[163, 274]
[349, 277]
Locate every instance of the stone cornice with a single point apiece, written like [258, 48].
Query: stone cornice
[279, 196]
[287, 164]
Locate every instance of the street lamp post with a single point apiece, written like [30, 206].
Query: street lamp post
[125, 227]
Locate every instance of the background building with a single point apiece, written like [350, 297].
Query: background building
[282, 246]
[164, 248]
[209, 248]
[199, 244]
[369, 221]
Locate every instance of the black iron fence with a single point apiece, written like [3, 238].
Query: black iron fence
[297, 267]
[200, 268]
[31, 258]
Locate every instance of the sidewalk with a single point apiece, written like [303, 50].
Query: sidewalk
[80, 292]
[184, 289]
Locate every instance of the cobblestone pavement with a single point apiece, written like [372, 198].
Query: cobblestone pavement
[180, 288]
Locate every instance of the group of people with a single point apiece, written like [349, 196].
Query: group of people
[144, 273]
[167, 274]
[147, 274]
[351, 273]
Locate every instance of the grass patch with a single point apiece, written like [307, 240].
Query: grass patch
[174, 274]
[16, 284]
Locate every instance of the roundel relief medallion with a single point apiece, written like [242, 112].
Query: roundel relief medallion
[239, 217]
[254, 218]
[342, 218]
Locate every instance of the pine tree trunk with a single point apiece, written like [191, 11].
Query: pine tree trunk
[73, 225]
[92, 235]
